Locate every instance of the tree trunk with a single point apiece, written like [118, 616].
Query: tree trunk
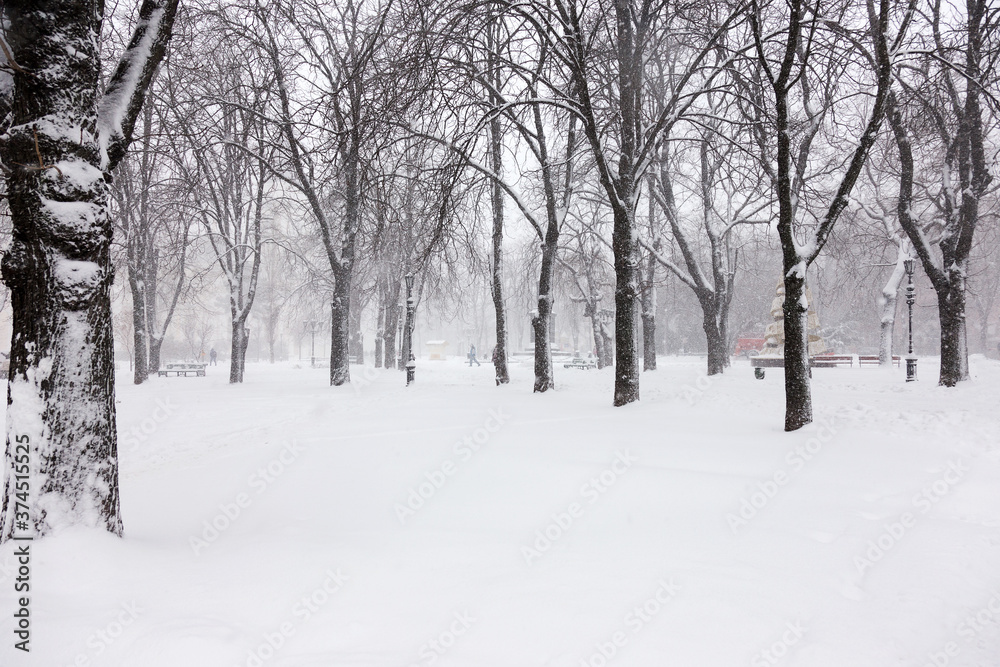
[356, 344]
[391, 326]
[626, 357]
[407, 343]
[238, 351]
[954, 350]
[499, 307]
[542, 320]
[139, 334]
[340, 310]
[380, 324]
[887, 305]
[155, 343]
[798, 396]
[61, 388]
[718, 353]
[647, 303]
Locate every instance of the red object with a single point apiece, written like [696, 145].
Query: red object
[745, 345]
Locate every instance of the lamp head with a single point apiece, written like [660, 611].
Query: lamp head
[909, 264]
[409, 281]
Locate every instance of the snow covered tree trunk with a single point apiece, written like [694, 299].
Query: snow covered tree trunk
[718, 353]
[590, 311]
[798, 395]
[238, 349]
[647, 304]
[887, 306]
[380, 324]
[356, 344]
[340, 305]
[542, 319]
[155, 343]
[391, 325]
[954, 345]
[496, 280]
[139, 333]
[626, 356]
[59, 148]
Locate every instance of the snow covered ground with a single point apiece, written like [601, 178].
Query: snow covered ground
[288, 523]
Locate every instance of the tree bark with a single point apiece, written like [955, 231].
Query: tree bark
[139, 334]
[391, 326]
[340, 370]
[380, 323]
[238, 349]
[954, 346]
[647, 304]
[60, 396]
[887, 305]
[715, 335]
[356, 344]
[496, 200]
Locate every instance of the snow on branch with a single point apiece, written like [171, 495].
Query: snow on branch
[126, 91]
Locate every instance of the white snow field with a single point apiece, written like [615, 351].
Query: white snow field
[287, 523]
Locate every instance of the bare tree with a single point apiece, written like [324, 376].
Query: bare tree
[963, 62]
[799, 55]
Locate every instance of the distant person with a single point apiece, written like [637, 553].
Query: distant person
[201, 356]
[472, 357]
[212, 356]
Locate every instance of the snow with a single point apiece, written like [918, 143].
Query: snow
[686, 529]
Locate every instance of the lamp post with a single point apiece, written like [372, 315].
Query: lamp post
[411, 364]
[911, 360]
[312, 326]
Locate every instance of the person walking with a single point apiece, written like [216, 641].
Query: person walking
[212, 356]
[472, 357]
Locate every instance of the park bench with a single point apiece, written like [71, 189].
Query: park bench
[185, 369]
[872, 360]
[581, 363]
[759, 363]
[832, 360]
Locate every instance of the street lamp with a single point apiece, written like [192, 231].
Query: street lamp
[911, 360]
[411, 364]
[312, 326]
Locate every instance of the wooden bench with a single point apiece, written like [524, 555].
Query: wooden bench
[832, 360]
[178, 370]
[872, 360]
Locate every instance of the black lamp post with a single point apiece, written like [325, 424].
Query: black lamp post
[911, 360]
[411, 364]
